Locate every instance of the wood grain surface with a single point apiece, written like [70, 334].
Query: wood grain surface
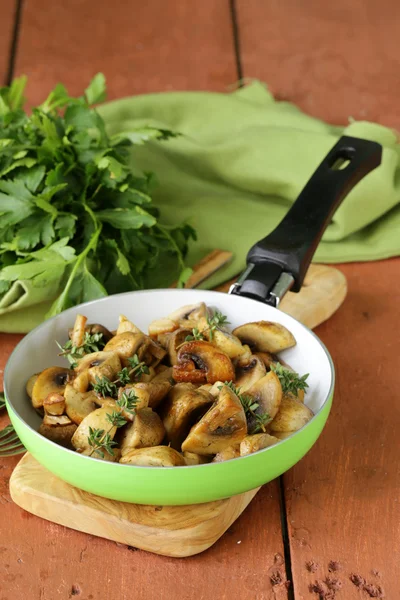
[140, 46]
[6, 31]
[334, 60]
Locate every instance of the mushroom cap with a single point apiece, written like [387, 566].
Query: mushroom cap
[223, 425]
[292, 416]
[99, 364]
[145, 431]
[247, 375]
[53, 379]
[156, 456]
[265, 336]
[267, 392]
[78, 404]
[212, 364]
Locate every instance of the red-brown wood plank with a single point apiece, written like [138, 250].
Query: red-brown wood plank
[141, 47]
[334, 59]
[6, 32]
[343, 499]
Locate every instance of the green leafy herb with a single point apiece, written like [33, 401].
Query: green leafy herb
[138, 367]
[100, 441]
[91, 343]
[258, 420]
[128, 401]
[217, 320]
[123, 376]
[2, 401]
[73, 216]
[104, 387]
[290, 380]
[116, 419]
[196, 335]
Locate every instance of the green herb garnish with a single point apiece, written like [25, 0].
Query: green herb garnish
[291, 381]
[91, 343]
[217, 320]
[196, 335]
[138, 367]
[250, 406]
[100, 441]
[74, 217]
[104, 387]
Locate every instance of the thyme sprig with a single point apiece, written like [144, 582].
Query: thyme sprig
[250, 406]
[213, 322]
[91, 343]
[291, 381]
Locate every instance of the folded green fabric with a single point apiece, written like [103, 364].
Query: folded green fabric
[241, 161]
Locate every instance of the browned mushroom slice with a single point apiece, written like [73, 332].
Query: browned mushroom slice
[227, 454]
[267, 358]
[126, 325]
[181, 409]
[146, 430]
[97, 419]
[149, 394]
[30, 383]
[247, 375]
[212, 364]
[53, 379]
[162, 326]
[256, 442]
[267, 393]
[195, 459]
[99, 364]
[78, 331]
[156, 456]
[54, 404]
[59, 433]
[81, 382]
[94, 328]
[188, 316]
[125, 345]
[282, 435]
[222, 426]
[156, 352]
[264, 336]
[104, 455]
[162, 372]
[292, 416]
[56, 420]
[172, 342]
[225, 341]
[77, 404]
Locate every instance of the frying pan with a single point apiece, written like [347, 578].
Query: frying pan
[274, 265]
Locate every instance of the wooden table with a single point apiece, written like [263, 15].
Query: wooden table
[341, 503]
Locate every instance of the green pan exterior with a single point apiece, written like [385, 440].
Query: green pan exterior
[169, 486]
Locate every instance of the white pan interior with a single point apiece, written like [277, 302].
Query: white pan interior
[38, 350]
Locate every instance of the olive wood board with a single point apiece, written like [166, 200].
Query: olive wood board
[176, 531]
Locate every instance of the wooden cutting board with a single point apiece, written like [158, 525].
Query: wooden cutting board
[168, 530]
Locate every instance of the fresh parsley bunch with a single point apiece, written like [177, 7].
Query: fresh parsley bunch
[73, 216]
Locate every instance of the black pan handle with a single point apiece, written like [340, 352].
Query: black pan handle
[280, 261]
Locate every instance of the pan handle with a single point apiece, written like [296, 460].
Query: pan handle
[280, 261]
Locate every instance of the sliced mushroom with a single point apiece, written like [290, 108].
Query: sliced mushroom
[267, 393]
[81, 382]
[227, 454]
[292, 415]
[30, 383]
[264, 336]
[125, 345]
[226, 341]
[172, 342]
[247, 375]
[56, 420]
[60, 434]
[156, 352]
[267, 358]
[162, 372]
[146, 430]
[162, 326]
[54, 404]
[212, 364]
[222, 426]
[195, 459]
[282, 435]
[126, 325]
[94, 328]
[256, 442]
[97, 419]
[99, 364]
[149, 394]
[182, 408]
[189, 315]
[77, 404]
[157, 456]
[78, 331]
[53, 379]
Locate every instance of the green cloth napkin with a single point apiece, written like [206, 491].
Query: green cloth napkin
[242, 160]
